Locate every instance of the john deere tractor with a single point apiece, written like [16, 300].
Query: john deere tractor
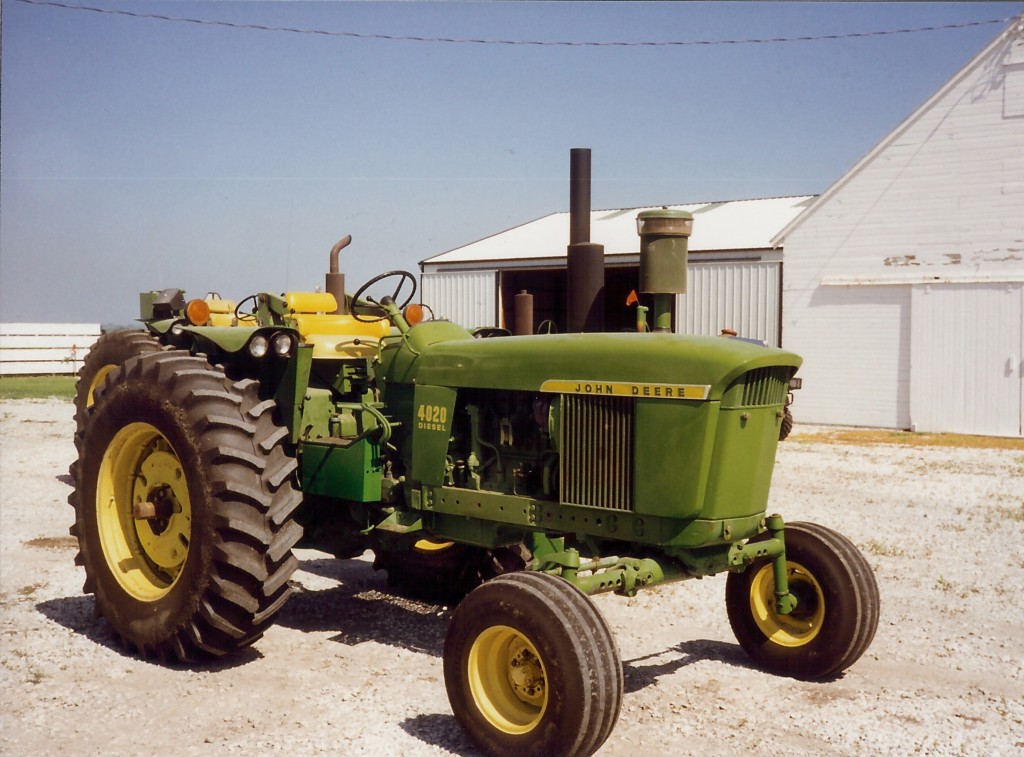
[520, 474]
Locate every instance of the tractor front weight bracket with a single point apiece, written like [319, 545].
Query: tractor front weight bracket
[622, 575]
[742, 556]
[785, 602]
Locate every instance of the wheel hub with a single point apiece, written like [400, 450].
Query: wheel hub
[799, 627]
[507, 680]
[525, 673]
[164, 537]
[144, 516]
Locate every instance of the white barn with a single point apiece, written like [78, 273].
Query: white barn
[904, 287]
[735, 273]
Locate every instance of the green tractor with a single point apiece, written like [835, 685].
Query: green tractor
[518, 474]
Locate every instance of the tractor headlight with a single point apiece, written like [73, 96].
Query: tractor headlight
[258, 346]
[283, 344]
[177, 329]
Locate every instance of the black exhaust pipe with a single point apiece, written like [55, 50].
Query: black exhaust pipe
[584, 279]
[335, 282]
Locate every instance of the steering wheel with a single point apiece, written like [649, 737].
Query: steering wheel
[403, 276]
[247, 317]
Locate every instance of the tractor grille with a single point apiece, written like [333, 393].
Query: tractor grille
[597, 451]
[765, 386]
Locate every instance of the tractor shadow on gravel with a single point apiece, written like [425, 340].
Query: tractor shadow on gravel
[639, 676]
[360, 607]
[440, 730]
[76, 614]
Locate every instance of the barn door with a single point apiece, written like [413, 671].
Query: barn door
[966, 351]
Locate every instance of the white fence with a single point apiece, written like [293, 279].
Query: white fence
[45, 348]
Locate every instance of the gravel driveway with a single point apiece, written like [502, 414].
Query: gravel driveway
[352, 670]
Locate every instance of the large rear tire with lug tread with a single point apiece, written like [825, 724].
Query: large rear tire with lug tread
[183, 508]
[837, 606]
[110, 351]
[531, 667]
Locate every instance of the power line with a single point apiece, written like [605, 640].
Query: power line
[509, 42]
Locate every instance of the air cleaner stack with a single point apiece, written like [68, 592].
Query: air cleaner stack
[664, 239]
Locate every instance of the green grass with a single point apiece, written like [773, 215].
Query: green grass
[36, 387]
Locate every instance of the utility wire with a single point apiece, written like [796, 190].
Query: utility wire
[536, 43]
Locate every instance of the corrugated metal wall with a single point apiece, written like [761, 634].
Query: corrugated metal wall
[965, 357]
[743, 296]
[468, 298]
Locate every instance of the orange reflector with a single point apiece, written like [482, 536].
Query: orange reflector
[413, 314]
[197, 312]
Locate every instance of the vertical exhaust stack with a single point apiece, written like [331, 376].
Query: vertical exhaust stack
[584, 280]
[335, 282]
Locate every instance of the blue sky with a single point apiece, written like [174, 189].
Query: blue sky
[142, 154]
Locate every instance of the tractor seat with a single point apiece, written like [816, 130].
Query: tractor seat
[332, 335]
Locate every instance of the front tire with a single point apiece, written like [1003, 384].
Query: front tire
[183, 501]
[531, 667]
[837, 606]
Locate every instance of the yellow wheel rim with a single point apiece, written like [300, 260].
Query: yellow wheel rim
[799, 627]
[98, 379]
[430, 546]
[507, 680]
[143, 512]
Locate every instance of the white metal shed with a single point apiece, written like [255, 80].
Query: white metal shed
[735, 274]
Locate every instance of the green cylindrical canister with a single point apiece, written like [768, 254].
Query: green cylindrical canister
[664, 236]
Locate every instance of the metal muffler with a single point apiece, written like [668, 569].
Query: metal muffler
[584, 279]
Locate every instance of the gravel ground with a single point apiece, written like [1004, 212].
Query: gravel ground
[350, 669]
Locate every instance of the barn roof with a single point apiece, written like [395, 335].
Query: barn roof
[732, 225]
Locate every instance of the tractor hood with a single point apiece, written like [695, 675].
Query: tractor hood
[622, 363]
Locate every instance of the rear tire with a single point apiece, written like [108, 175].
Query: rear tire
[531, 668]
[110, 351]
[837, 606]
[183, 502]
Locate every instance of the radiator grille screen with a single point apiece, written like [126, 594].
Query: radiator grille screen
[766, 386]
[597, 443]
